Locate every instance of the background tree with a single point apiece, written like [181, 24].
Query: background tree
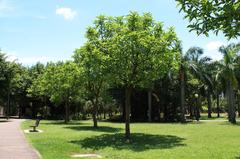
[196, 78]
[212, 15]
[218, 84]
[238, 78]
[35, 99]
[206, 76]
[227, 69]
[18, 90]
[92, 59]
[12, 72]
[61, 83]
[3, 72]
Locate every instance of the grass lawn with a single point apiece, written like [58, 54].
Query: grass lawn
[204, 140]
[204, 116]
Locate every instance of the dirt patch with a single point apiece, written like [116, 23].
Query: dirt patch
[31, 131]
[86, 156]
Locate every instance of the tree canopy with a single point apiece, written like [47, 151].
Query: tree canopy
[212, 15]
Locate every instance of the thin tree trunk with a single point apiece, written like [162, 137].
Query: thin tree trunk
[104, 115]
[149, 106]
[238, 104]
[95, 113]
[228, 101]
[238, 107]
[218, 108]
[8, 103]
[191, 109]
[20, 111]
[231, 103]
[182, 85]
[95, 125]
[67, 111]
[127, 111]
[209, 100]
[95, 104]
[196, 110]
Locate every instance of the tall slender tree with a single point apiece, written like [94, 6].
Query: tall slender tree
[193, 63]
[227, 70]
[92, 58]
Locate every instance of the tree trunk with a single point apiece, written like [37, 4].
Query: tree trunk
[67, 112]
[218, 108]
[104, 115]
[8, 103]
[238, 104]
[209, 100]
[95, 106]
[95, 125]
[198, 108]
[231, 103]
[182, 85]
[238, 107]
[149, 106]
[20, 110]
[128, 92]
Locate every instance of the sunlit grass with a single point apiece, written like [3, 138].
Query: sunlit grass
[213, 140]
[223, 116]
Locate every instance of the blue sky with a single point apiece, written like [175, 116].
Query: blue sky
[50, 30]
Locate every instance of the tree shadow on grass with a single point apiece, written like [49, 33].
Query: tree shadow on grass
[138, 142]
[237, 157]
[193, 122]
[98, 129]
[230, 124]
[63, 123]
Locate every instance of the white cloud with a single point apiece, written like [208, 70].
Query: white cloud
[67, 13]
[214, 45]
[211, 49]
[30, 60]
[11, 58]
[33, 60]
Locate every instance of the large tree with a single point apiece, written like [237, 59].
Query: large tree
[140, 52]
[212, 15]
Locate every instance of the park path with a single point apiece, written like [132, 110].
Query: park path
[13, 144]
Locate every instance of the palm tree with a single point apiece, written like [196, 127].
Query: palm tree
[218, 84]
[182, 88]
[193, 63]
[227, 70]
[206, 76]
[237, 72]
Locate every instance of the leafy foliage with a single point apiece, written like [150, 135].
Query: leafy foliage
[212, 15]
